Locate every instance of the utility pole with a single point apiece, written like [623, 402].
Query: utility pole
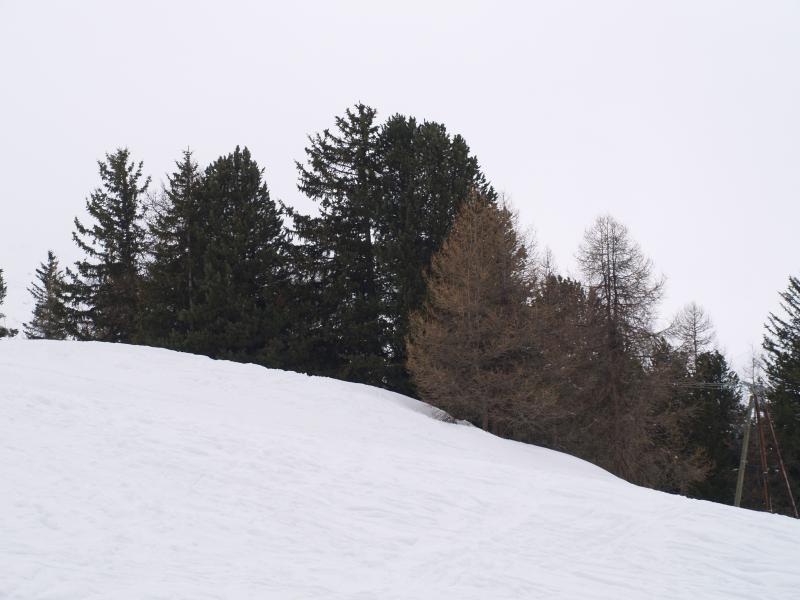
[781, 465]
[758, 404]
[743, 460]
[762, 452]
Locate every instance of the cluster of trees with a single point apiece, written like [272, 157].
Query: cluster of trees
[505, 342]
[212, 264]
[413, 276]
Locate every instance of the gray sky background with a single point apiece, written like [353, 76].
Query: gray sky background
[680, 118]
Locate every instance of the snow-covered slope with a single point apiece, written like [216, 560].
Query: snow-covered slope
[132, 473]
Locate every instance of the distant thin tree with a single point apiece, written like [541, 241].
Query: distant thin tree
[693, 330]
[50, 320]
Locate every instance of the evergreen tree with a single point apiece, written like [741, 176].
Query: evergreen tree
[176, 224]
[425, 175]
[782, 349]
[387, 197]
[716, 424]
[674, 461]
[4, 331]
[104, 288]
[237, 306]
[49, 311]
[344, 330]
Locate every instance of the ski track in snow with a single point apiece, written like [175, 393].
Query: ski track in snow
[132, 473]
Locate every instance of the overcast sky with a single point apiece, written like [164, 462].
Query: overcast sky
[681, 119]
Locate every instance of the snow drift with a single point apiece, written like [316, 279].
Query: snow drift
[131, 473]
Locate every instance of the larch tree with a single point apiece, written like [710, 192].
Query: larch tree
[693, 331]
[469, 346]
[50, 314]
[621, 278]
[104, 288]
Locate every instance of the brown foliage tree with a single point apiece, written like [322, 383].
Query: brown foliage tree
[638, 415]
[470, 349]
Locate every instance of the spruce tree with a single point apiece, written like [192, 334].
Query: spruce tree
[425, 176]
[782, 365]
[176, 223]
[104, 288]
[716, 424]
[4, 331]
[387, 196]
[49, 310]
[344, 328]
[238, 304]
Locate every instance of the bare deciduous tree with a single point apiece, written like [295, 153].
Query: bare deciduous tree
[634, 414]
[622, 278]
[693, 331]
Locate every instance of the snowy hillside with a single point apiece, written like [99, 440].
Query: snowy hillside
[132, 473]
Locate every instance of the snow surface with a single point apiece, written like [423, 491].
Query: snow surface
[131, 473]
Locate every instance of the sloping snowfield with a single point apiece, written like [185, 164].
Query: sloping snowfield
[133, 473]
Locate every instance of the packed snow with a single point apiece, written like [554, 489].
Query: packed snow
[138, 473]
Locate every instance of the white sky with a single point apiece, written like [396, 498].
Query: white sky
[682, 119]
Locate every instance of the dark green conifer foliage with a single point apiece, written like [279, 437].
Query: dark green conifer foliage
[49, 310]
[717, 419]
[344, 328]
[4, 331]
[239, 300]
[176, 225]
[425, 176]
[387, 196]
[104, 288]
[782, 348]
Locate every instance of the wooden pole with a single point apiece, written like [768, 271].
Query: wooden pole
[737, 501]
[780, 460]
[762, 452]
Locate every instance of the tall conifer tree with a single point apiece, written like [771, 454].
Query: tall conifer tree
[425, 176]
[387, 198]
[104, 288]
[4, 331]
[782, 348]
[345, 330]
[239, 300]
[175, 225]
[49, 311]
[716, 424]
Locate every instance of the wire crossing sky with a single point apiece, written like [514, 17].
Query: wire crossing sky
[681, 119]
